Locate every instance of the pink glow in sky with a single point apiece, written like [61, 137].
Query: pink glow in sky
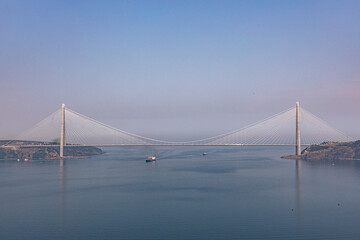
[179, 68]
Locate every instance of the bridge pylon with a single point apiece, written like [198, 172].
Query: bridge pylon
[298, 143]
[62, 134]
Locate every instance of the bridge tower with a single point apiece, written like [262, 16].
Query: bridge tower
[298, 144]
[62, 134]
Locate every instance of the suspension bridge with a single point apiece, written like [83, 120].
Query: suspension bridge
[67, 128]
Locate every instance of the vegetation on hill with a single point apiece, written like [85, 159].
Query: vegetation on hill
[331, 151]
[14, 151]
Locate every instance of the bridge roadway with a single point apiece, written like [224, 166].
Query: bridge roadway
[165, 144]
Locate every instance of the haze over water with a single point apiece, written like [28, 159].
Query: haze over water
[231, 193]
[179, 71]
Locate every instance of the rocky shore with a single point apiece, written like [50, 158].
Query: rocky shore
[16, 152]
[330, 151]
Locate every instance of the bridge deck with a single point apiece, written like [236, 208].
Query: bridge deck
[175, 144]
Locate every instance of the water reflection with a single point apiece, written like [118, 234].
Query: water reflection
[298, 195]
[151, 164]
[62, 190]
[298, 185]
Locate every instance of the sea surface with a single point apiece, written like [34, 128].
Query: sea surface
[231, 193]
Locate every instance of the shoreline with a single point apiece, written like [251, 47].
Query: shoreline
[36, 159]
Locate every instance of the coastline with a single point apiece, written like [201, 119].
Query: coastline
[329, 152]
[15, 152]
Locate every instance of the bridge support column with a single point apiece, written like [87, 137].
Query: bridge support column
[298, 144]
[62, 134]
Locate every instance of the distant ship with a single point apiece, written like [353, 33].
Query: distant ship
[204, 153]
[151, 159]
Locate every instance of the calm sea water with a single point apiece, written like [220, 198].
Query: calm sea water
[231, 193]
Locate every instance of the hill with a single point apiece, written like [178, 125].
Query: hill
[330, 151]
[17, 152]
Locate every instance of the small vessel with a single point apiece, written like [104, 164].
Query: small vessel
[151, 159]
[204, 153]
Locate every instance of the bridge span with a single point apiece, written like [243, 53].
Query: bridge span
[67, 128]
[170, 144]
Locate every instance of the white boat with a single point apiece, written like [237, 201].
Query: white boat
[151, 159]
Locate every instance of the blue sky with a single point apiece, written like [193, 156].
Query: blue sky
[179, 68]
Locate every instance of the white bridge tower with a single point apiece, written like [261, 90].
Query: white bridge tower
[62, 134]
[298, 143]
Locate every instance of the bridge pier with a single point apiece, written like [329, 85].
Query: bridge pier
[298, 143]
[62, 134]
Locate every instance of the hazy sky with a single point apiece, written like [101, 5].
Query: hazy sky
[179, 68]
